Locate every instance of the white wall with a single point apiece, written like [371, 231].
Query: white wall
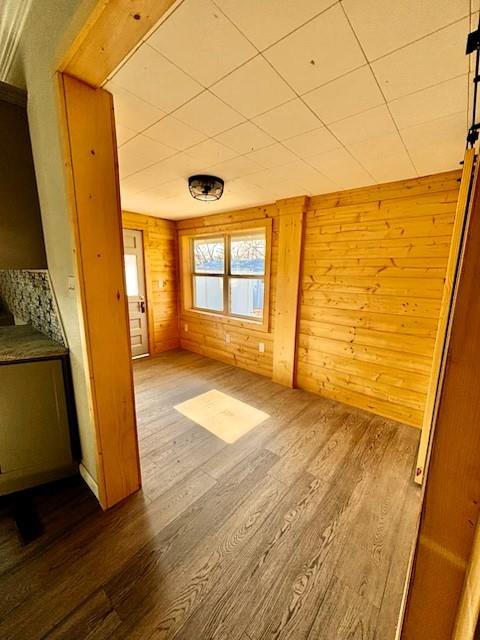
[49, 29]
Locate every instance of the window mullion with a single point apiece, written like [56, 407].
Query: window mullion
[226, 270]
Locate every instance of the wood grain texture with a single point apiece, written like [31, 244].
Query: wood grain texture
[467, 618]
[160, 249]
[94, 54]
[92, 172]
[290, 231]
[452, 492]
[374, 264]
[242, 541]
[439, 351]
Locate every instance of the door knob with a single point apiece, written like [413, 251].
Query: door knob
[141, 305]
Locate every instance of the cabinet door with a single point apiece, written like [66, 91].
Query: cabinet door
[21, 240]
[34, 431]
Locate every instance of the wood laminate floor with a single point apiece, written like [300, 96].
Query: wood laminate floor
[300, 530]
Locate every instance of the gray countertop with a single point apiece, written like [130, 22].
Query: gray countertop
[21, 343]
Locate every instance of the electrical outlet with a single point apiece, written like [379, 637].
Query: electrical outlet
[227, 338]
[185, 327]
[261, 347]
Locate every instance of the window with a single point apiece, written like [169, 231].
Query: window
[131, 274]
[228, 273]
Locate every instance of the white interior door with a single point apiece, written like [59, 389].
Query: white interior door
[135, 283]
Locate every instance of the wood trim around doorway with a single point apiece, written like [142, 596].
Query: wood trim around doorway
[95, 54]
[88, 131]
[92, 172]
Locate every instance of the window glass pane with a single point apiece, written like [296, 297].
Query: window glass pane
[209, 255]
[208, 292]
[131, 274]
[246, 297]
[247, 253]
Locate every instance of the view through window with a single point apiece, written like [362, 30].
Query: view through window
[229, 274]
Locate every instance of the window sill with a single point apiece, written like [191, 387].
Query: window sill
[230, 320]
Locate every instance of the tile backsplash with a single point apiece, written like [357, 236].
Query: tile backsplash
[29, 297]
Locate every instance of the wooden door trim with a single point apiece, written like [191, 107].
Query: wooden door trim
[95, 54]
[99, 481]
[446, 309]
[92, 174]
[91, 58]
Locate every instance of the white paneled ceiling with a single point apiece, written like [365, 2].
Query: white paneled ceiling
[290, 97]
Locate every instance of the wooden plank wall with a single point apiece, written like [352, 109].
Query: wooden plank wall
[372, 277]
[374, 262]
[207, 336]
[160, 249]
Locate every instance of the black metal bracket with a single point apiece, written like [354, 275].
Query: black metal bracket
[472, 136]
[473, 44]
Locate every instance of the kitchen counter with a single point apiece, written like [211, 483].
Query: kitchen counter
[23, 343]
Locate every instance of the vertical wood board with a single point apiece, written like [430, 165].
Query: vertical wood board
[445, 311]
[452, 489]
[99, 253]
[290, 240]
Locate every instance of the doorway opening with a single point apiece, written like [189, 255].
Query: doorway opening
[246, 348]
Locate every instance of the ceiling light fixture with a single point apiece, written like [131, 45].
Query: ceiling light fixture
[206, 188]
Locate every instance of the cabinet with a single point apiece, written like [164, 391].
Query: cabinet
[35, 419]
[21, 236]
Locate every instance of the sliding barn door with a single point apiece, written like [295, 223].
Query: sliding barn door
[452, 493]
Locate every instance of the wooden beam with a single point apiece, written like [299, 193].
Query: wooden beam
[468, 614]
[452, 489]
[290, 241]
[445, 312]
[113, 30]
[92, 172]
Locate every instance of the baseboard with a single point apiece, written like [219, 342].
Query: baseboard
[92, 485]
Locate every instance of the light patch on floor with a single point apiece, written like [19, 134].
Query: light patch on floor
[222, 415]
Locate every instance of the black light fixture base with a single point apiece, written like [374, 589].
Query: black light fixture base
[206, 188]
